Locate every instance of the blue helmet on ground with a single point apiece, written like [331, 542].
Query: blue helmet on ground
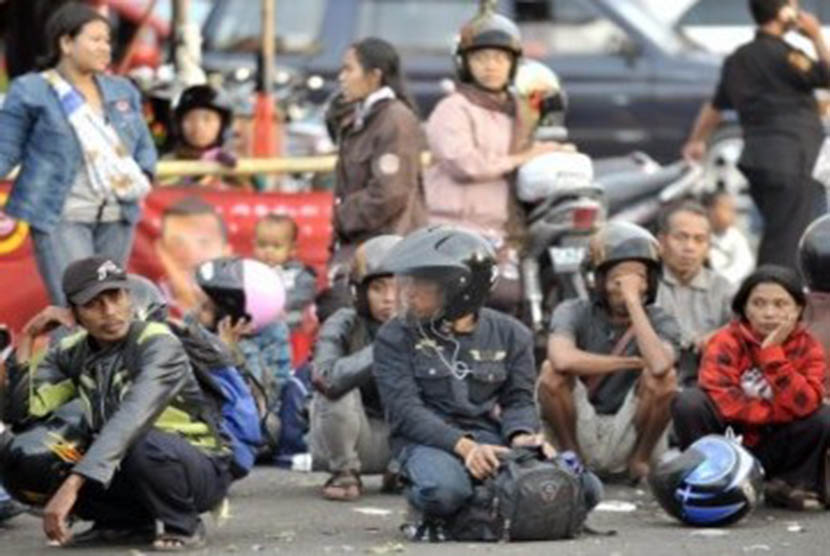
[714, 482]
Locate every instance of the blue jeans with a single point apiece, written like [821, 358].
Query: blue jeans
[440, 485]
[439, 482]
[70, 241]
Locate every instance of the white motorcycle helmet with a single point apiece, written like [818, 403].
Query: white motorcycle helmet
[542, 88]
[555, 174]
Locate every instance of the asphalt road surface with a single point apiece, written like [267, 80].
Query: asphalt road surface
[280, 512]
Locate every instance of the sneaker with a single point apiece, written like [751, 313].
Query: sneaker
[429, 529]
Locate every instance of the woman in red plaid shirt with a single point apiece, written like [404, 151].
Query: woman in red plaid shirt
[763, 375]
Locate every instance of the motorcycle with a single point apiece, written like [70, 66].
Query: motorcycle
[637, 188]
[565, 204]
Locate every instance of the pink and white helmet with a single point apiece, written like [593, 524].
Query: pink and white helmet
[243, 288]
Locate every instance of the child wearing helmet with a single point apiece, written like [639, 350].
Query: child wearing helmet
[202, 125]
[444, 365]
[605, 389]
[243, 302]
[349, 435]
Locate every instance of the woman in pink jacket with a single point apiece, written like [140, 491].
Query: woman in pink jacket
[477, 142]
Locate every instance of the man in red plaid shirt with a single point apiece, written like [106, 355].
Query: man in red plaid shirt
[763, 375]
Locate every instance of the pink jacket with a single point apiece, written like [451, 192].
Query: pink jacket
[467, 182]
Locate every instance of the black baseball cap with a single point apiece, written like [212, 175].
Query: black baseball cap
[86, 278]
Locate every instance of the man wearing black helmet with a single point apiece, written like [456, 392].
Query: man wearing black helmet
[456, 379]
[771, 85]
[607, 385]
[157, 453]
[348, 433]
[814, 262]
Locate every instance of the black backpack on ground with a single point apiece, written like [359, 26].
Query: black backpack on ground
[531, 498]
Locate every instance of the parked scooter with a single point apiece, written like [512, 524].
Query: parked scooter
[566, 205]
[637, 188]
[567, 196]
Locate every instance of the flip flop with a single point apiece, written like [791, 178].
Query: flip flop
[778, 493]
[181, 542]
[102, 535]
[344, 486]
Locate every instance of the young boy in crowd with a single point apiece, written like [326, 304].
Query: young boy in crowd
[729, 252]
[275, 244]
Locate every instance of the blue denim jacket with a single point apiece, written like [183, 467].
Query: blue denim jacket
[35, 133]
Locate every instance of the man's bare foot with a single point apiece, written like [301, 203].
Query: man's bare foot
[638, 469]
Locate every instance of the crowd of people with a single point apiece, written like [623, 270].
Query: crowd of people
[420, 371]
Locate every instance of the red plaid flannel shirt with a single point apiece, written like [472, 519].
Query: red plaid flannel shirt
[795, 371]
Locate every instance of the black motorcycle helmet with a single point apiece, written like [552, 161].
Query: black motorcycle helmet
[149, 303]
[461, 262]
[487, 30]
[35, 462]
[714, 482]
[814, 255]
[203, 96]
[366, 266]
[616, 242]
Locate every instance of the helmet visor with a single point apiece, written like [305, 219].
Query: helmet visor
[420, 298]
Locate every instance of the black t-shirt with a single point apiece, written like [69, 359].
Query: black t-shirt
[770, 84]
[589, 325]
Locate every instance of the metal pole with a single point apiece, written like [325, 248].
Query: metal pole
[269, 37]
[265, 129]
[179, 19]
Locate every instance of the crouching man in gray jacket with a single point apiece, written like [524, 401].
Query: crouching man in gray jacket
[348, 433]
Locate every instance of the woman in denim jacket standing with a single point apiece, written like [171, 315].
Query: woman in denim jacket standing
[85, 152]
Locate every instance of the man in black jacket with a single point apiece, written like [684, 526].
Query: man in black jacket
[348, 433]
[771, 86]
[456, 379]
[156, 454]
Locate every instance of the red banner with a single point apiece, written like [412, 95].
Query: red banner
[22, 293]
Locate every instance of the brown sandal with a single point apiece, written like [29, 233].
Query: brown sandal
[781, 495]
[343, 486]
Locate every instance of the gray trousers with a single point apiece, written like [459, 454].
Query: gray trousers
[344, 438]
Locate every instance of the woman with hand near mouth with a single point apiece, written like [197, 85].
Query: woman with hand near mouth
[763, 376]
